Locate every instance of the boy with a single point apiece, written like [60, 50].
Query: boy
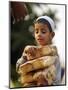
[44, 34]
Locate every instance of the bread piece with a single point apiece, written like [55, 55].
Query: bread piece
[39, 77]
[24, 68]
[37, 64]
[26, 78]
[48, 50]
[47, 75]
[37, 51]
[30, 84]
[51, 74]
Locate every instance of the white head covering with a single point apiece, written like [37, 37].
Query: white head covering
[49, 20]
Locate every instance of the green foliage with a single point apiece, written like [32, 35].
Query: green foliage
[20, 35]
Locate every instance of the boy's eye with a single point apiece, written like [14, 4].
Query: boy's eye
[36, 31]
[43, 31]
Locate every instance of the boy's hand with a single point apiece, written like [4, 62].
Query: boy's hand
[30, 52]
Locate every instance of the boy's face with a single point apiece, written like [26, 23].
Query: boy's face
[42, 34]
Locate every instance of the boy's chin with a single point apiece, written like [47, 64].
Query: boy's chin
[41, 44]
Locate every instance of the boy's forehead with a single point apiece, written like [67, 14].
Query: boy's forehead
[40, 25]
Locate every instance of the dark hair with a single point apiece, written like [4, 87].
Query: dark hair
[44, 21]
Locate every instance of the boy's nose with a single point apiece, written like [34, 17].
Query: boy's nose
[39, 34]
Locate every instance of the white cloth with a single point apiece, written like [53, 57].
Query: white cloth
[49, 20]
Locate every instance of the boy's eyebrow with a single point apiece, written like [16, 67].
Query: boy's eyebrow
[41, 29]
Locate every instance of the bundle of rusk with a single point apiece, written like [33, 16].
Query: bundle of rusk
[41, 63]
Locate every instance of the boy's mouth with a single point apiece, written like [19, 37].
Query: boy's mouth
[40, 40]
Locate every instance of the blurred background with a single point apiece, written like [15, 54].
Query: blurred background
[22, 16]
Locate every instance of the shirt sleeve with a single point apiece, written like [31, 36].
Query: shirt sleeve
[20, 61]
[58, 72]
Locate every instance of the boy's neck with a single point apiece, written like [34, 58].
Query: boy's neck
[49, 44]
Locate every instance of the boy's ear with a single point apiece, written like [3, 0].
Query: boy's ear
[53, 34]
